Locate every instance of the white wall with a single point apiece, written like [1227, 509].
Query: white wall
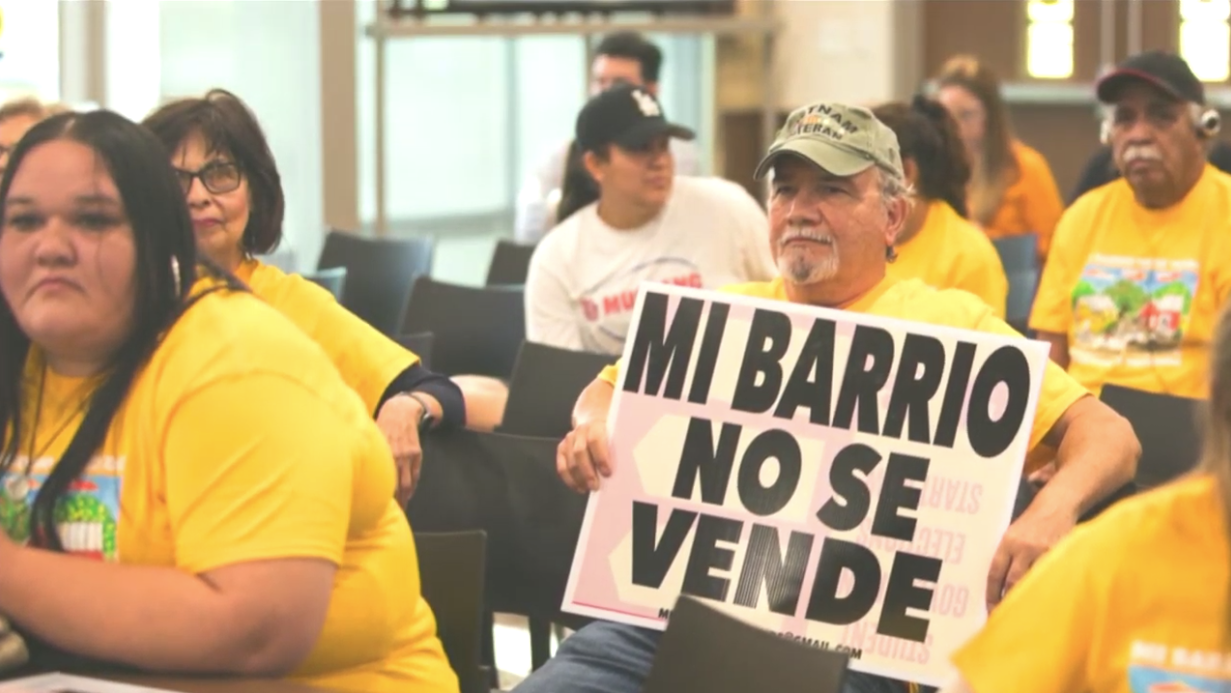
[856, 51]
[265, 51]
[30, 49]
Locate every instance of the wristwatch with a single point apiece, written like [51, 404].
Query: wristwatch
[425, 419]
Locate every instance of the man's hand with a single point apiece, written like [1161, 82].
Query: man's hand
[582, 456]
[399, 420]
[1036, 531]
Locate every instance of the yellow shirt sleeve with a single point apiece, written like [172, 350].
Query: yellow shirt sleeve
[1041, 636]
[610, 374]
[986, 279]
[367, 359]
[1053, 303]
[1058, 392]
[259, 488]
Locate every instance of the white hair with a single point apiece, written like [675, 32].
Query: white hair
[1196, 112]
[893, 188]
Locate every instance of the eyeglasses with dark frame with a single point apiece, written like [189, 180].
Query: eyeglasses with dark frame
[218, 177]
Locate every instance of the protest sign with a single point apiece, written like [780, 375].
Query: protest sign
[836, 478]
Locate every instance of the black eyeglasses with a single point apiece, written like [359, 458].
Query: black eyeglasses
[218, 177]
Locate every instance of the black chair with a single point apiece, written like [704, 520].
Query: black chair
[703, 649]
[510, 264]
[380, 274]
[1167, 428]
[547, 518]
[506, 486]
[332, 280]
[544, 387]
[1020, 257]
[421, 344]
[451, 568]
[478, 330]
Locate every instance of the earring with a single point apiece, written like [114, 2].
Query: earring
[891, 253]
[175, 273]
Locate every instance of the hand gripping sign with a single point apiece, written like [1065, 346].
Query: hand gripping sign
[838, 478]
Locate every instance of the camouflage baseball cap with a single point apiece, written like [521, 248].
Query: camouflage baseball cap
[844, 140]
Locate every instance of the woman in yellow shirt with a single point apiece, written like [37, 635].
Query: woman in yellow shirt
[186, 484]
[235, 196]
[1134, 601]
[1012, 191]
[937, 244]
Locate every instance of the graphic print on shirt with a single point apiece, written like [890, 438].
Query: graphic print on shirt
[86, 516]
[1156, 668]
[1132, 311]
[609, 304]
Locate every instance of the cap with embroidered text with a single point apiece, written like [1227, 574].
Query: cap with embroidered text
[844, 140]
[627, 116]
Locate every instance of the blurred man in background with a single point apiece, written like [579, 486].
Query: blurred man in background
[621, 58]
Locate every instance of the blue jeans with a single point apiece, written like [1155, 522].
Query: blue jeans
[609, 657]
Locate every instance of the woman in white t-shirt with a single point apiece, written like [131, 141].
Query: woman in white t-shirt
[644, 225]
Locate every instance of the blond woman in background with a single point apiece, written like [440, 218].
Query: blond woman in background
[1012, 190]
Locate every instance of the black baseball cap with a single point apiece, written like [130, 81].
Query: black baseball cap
[627, 116]
[1165, 71]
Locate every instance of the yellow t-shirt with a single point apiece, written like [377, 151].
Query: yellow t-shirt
[239, 442]
[1138, 291]
[1031, 204]
[1133, 602]
[949, 252]
[367, 359]
[911, 299]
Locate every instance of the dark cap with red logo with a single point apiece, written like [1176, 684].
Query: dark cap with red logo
[1167, 72]
[625, 115]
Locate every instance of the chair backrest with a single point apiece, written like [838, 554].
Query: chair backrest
[544, 387]
[706, 650]
[1167, 428]
[421, 344]
[507, 486]
[380, 273]
[332, 280]
[451, 570]
[546, 520]
[1020, 257]
[478, 330]
[510, 263]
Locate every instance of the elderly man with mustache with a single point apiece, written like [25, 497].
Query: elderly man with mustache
[839, 200]
[1139, 267]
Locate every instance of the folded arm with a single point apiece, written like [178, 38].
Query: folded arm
[255, 618]
[257, 511]
[1096, 453]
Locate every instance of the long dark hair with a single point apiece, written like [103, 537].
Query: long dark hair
[928, 135]
[163, 238]
[579, 188]
[229, 127]
[1216, 438]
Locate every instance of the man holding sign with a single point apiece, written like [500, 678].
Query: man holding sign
[839, 200]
